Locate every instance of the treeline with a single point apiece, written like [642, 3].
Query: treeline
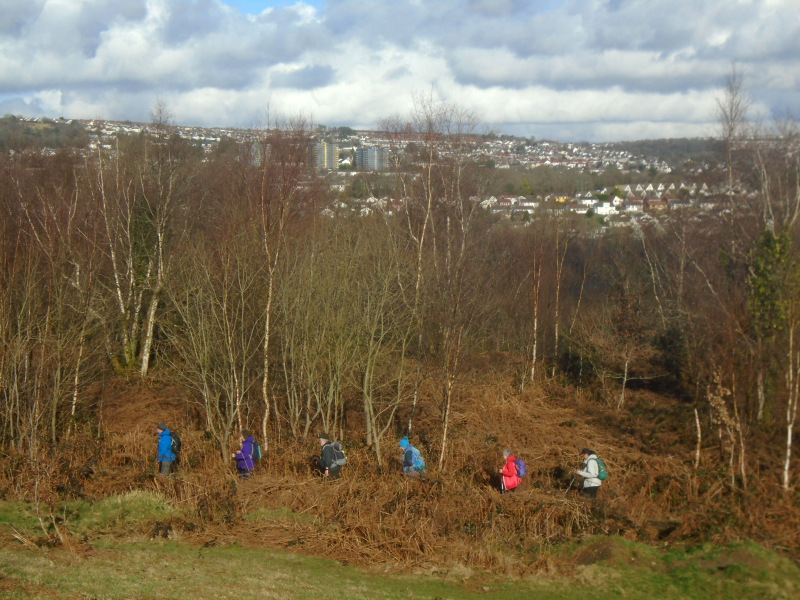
[675, 151]
[545, 180]
[225, 273]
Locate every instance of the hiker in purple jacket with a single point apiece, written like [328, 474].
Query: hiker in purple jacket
[244, 456]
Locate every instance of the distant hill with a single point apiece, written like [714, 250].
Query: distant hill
[20, 133]
[675, 151]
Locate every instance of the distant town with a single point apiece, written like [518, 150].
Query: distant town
[342, 153]
[502, 152]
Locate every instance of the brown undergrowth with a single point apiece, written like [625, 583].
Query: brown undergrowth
[374, 516]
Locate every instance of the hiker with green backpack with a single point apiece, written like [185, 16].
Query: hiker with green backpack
[593, 473]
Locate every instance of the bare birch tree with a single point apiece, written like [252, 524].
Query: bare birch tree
[215, 331]
[138, 192]
[283, 176]
[384, 330]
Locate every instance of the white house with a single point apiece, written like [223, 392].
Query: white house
[579, 208]
[604, 208]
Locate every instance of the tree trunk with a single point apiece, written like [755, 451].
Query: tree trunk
[793, 384]
[624, 384]
[535, 333]
[699, 440]
[265, 378]
[448, 393]
[760, 393]
[148, 333]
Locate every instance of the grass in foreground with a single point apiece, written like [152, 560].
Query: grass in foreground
[118, 568]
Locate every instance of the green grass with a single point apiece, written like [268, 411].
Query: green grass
[119, 568]
[282, 515]
[115, 512]
[112, 515]
[170, 570]
[19, 515]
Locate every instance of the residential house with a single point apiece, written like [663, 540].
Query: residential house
[604, 208]
[634, 204]
[655, 205]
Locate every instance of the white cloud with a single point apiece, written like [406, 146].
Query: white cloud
[581, 67]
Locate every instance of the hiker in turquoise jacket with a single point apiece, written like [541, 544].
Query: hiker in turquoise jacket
[413, 463]
[165, 454]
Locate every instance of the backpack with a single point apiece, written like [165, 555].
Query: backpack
[339, 457]
[602, 471]
[522, 469]
[416, 459]
[176, 444]
[257, 455]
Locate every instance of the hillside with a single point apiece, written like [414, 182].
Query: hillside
[675, 151]
[42, 133]
[456, 516]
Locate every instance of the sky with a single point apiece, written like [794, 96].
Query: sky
[568, 70]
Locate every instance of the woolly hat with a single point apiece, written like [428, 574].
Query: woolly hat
[162, 426]
[404, 442]
[324, 436]
[586, 451]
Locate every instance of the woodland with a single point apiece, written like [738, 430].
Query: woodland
[149, 281]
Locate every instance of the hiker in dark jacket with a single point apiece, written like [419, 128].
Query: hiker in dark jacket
[326, 462]
[245, 465]
[165, 454]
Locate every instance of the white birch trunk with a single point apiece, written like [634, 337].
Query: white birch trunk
[265, 378]
[699, 440]
[793, 385]
[624, 384]
[147, 343]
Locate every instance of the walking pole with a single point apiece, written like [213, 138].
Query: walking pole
[569, 486]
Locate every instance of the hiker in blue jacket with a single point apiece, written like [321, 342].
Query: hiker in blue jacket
[165, 454]
[245, 465]
[413, 463]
